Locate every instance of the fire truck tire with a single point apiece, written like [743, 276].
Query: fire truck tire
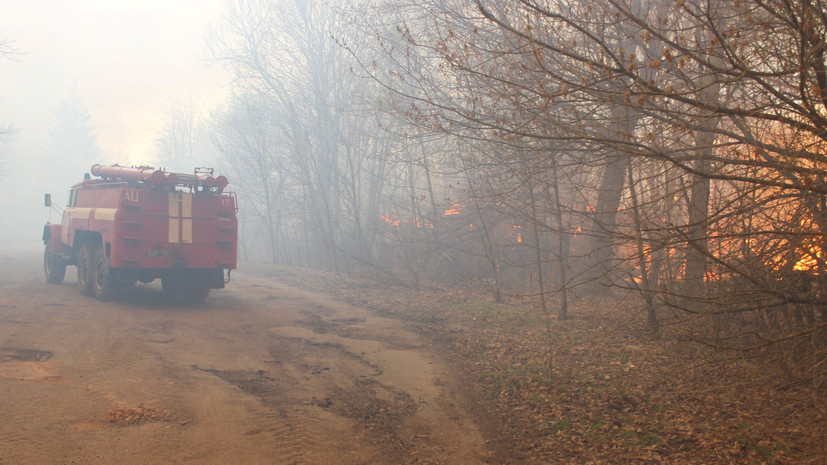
[53, 266]
[85, 268]
[102, 285]
[171, 286]
[196, 290]
[194, 287]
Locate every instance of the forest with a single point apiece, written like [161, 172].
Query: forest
[541, 150]
[607, 214]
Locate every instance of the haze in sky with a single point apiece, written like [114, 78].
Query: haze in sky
[125, 62]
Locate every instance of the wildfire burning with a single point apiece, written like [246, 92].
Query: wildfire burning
[392, 220]
[455, 209]
[809, 260]
[518, 234]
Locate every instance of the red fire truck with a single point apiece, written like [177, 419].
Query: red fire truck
[141, 224]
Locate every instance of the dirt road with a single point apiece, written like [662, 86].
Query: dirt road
[260, 373]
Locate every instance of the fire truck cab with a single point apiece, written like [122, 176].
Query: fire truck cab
[142, 224]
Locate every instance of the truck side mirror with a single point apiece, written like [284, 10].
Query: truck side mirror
[47, 199]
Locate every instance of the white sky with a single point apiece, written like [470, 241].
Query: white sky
[126, 61]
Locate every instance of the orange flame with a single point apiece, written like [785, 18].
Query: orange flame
[455, 209]
[391, 219]
[809, 260]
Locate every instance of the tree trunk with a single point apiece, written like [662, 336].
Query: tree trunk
[645, 285]
[608, 200]
[698, 242]
[605, 218]
[563, 244]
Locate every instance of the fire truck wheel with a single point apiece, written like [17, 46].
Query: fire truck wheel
[196, 294]
[85, 268]
[171, 286]
[196, 288]
[53, 266]
[102, 285]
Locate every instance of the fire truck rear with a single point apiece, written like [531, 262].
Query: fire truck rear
[142, 224]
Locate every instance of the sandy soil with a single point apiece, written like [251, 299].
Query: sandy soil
[260, 373]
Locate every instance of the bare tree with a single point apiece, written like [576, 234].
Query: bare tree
[9, 52]
[336, 153]
[177, 142]
[72, 146]
[247, 138]
[714, 110]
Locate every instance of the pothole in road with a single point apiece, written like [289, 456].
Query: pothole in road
[257, 383]
[14, 354]
[27, 365]
[376, 407]
[331, 377]
[372, 407]
[347, 328]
